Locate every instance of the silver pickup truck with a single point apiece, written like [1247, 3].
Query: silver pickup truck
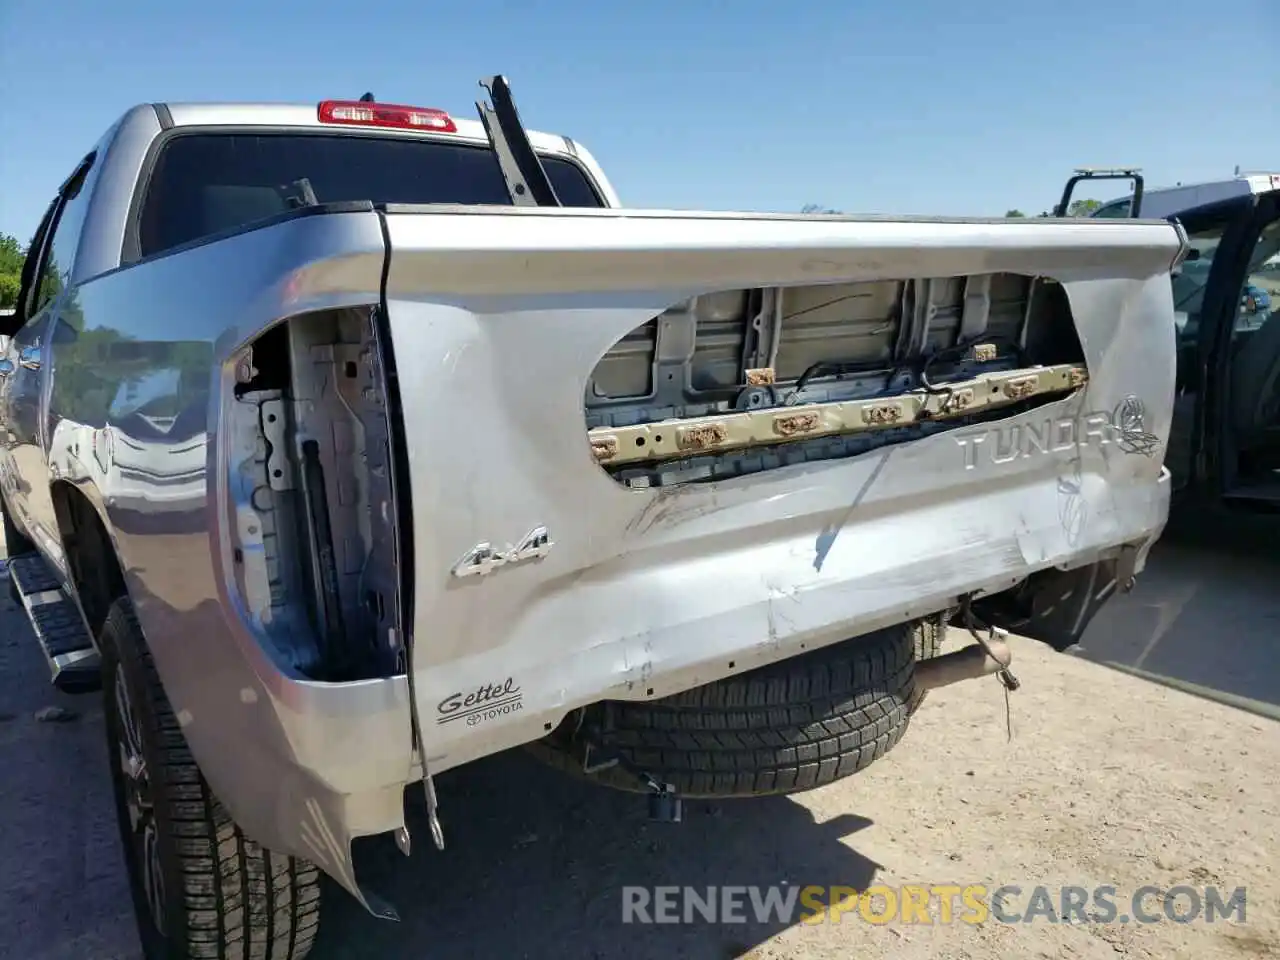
[347, 443]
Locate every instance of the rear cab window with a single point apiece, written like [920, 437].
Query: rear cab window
[51, 254]
[1117, 210]
[208, 182]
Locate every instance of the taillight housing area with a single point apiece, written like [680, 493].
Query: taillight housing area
[316, 527]
[366, 113]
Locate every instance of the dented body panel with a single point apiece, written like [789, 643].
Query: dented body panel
[302, 764]
[408, 388]
[645, 592]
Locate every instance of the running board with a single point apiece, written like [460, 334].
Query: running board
[57, 624]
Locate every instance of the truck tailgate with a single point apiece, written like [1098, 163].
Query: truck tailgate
[535, 347]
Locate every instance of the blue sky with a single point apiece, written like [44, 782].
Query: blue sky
[878, 106]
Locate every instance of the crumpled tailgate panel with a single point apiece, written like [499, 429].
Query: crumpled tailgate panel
[497, 321]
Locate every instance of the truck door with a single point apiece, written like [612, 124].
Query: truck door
[1241, 450]
[16, 380]
[20, 370]
[1213, 233]
[45, 296]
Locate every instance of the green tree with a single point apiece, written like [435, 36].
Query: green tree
[11, 254]
[1082, 208]
[8, 290]
[1015, 212]
[11, 257]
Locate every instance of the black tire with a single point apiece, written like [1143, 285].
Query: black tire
[789, 726]
[15, 542]
[929, 634]
[220, 895]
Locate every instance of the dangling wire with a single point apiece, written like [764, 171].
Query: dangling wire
[1005, 675]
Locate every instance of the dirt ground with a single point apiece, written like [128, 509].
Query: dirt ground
[1109, 779]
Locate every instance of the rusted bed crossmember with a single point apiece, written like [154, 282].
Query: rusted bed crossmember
[667, 439]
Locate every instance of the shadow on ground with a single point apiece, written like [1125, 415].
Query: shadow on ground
[543, 876]
[1205, 615]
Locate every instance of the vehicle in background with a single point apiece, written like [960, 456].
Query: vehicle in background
[1224, 447]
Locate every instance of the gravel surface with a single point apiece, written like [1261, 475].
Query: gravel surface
[1109, 779]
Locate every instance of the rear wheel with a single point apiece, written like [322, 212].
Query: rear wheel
[929, 635]
[200, 888]
[786, 727]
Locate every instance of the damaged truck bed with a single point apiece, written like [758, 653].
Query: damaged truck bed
[461, 456]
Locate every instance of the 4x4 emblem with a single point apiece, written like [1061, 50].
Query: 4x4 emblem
[485, 558]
